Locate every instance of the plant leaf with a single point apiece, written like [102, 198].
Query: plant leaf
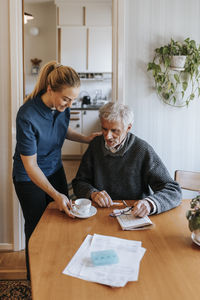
[184, 85]
[166, 96]
[176, 78]
[192, 96]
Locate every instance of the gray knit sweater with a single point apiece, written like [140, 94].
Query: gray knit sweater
[133, 173]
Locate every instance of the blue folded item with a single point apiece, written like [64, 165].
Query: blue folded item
[105, 257]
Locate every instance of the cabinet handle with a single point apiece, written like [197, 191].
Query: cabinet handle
[84, 112]
[77, 125]
[84, 16]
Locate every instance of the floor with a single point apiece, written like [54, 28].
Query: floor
[12, 264]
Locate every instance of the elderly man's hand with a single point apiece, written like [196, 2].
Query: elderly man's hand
[102, 199]
[141, 208]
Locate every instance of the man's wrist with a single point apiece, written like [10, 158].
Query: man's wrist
[152, 205]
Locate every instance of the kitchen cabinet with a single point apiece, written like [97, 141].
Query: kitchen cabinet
[74, 47]
[85, 36]
[85, 122]
[70, 147]
[100, 49]
[71, 14]
[87, 50]
[89, 14]
[99, 14]
[90, 123]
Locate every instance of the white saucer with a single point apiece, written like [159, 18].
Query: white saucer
[92, 212]
[193, 238]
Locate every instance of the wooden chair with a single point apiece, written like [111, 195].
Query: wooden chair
[188, 180]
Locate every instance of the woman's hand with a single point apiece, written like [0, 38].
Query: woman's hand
[102, 199]
[63, 204]
[72, 135]
[92, 136]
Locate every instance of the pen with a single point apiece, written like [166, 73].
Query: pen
[125, 203]
[118, 204]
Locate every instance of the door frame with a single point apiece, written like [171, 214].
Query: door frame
[118, 50]
[17, 82]
[16, 71]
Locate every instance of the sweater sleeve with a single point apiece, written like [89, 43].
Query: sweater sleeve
[166, 192]
[82, 183]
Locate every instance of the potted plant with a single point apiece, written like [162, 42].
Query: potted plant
[177, 85]
[193, 216]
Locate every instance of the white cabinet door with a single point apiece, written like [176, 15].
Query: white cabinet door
[71, 14]
[69, 147]
[89, 14]
[74, 47]
[100, 49]
[90, 123]
[99, 14]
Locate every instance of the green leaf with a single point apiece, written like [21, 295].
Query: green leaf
[198, 92]
[166, 96]
[167, 62]
[194, 223]
[165, 50]
[192, 96]
[159, 89]
[183, 94]
[184, 85]
[176, 78]
[174, 99]
[168, 86]
[149, 67]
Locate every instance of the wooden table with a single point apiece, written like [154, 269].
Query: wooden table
[170, 268]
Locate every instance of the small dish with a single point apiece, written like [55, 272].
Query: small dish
[92, 212]
[194, 240]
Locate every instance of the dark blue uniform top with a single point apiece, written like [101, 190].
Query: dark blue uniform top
[40, 131]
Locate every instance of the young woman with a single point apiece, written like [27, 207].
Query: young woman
[42, 126]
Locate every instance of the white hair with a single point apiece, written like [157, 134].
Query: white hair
[115, 111]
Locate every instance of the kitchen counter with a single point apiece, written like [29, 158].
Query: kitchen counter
[87, 107]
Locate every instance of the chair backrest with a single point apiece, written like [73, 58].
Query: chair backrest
[188, 180]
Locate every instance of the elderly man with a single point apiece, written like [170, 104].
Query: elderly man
[119, 165]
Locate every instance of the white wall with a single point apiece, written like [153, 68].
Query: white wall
[43, 45]
[5, 131]
[173, 132]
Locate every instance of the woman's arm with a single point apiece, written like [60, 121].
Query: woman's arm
[38, 177]
[77, 137]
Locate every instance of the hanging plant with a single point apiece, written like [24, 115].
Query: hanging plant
[177, 85]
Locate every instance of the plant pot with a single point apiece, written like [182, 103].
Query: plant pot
[197, 235]
[178, 61]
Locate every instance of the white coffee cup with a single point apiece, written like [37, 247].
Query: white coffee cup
[82, 206]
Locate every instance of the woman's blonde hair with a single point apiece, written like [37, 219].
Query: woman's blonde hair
[55, 75]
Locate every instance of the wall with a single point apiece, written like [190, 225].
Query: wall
[43, 45]
[173, 132]
[5, 131]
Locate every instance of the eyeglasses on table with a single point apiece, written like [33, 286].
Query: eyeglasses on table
[122, 212]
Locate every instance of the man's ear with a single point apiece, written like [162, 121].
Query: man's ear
[129, 127]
